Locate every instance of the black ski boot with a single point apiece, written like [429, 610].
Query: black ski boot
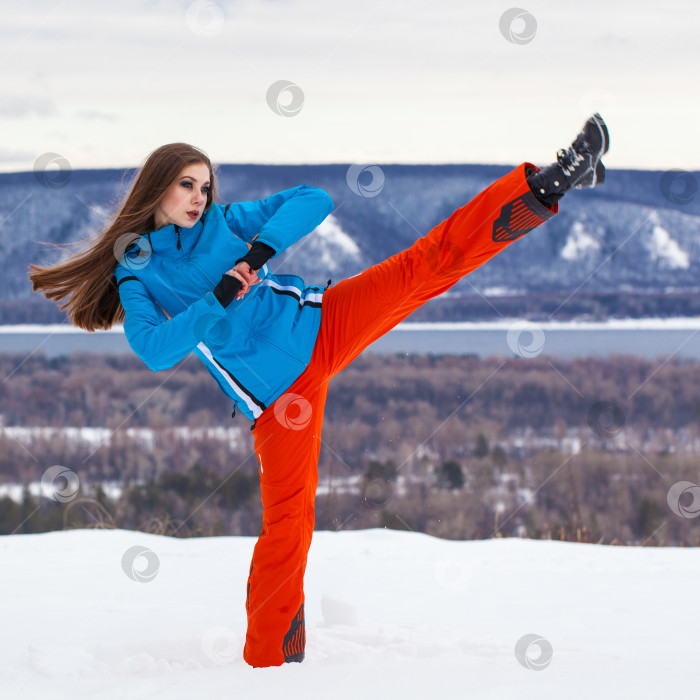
[578, 166]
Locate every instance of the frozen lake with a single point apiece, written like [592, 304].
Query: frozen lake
[642, 337]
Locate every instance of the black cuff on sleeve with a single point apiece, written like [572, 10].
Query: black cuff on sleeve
[227, 289]
[258, 255]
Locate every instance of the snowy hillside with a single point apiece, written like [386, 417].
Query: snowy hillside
[626, 235]
[388, 615]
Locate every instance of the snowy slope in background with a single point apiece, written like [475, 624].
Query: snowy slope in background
[624, 235]
[388, 615]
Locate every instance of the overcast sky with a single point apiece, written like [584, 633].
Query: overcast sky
[103, 83]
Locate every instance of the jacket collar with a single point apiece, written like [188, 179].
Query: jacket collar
[165, 240]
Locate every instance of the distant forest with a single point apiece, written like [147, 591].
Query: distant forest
[457, 447]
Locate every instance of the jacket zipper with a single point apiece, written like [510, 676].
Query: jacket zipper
[177, 228]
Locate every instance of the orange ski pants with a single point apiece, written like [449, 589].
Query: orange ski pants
[355, 313]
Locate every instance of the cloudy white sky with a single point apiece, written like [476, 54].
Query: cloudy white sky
[378, 81]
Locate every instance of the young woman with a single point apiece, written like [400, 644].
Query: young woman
[186, 274]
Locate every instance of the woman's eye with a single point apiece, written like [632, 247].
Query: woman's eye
[188, 184]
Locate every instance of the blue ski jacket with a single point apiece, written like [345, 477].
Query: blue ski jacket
[256, 347]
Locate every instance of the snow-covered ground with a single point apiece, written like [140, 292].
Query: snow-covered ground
[388, 615]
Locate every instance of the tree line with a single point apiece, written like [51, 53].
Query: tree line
[458, 447]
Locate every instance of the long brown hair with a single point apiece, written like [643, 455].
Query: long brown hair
[87, 275]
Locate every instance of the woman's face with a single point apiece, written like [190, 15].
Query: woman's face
[185, 199]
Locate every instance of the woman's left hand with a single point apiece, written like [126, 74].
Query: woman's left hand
[246, 275]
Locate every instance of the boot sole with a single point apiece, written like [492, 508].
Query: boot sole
[599, 175]
[602, 127]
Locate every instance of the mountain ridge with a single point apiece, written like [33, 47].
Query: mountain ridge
[634, 236]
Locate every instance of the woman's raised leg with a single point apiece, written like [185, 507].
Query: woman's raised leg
[359, 310]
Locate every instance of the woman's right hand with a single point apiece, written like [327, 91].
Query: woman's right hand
[247, 277]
